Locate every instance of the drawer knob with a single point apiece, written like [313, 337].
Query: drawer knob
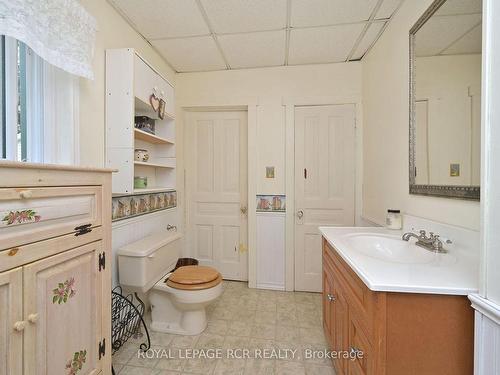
[13, 251]
[33, 318]
[25, 194]
[331, 297]
[20, 326]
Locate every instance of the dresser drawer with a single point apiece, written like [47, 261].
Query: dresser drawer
[32, 214]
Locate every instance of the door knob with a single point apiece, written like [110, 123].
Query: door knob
[33, 318]
[300, 214]
[20, 326]
[243, 210]
[331, 297]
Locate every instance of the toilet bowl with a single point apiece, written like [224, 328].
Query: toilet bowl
[178, 299]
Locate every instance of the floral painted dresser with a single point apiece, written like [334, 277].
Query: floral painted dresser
[55, 284]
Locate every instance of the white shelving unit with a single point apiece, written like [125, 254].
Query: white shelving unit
[130, 81]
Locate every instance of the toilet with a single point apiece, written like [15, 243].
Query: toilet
[178, 298]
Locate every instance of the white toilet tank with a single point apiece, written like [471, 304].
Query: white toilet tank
[142, 263]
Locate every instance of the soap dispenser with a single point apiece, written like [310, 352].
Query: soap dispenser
[394, 219]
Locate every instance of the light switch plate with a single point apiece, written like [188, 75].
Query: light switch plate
[269, 172]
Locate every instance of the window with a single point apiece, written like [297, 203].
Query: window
[38, 107]
[2, 97]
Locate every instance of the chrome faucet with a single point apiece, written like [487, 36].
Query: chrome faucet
[431, 243]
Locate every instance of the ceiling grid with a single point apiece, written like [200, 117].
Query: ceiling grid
[207, 35]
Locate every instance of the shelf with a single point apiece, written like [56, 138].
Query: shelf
[153, 190]
[151, 138]
[144, 109]
[153, 165]
[128, 91]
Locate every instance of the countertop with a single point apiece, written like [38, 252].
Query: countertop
[25, 165]
[455, 275]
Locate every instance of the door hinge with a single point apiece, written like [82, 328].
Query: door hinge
[102, 261]
[305, 173]
[102, 348]
[83, 229]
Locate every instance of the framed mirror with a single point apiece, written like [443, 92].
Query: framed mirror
[445, 100]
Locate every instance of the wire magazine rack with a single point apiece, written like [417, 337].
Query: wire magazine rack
[127, 313]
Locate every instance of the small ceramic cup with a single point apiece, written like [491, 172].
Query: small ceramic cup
[141, 155]
[140, 182]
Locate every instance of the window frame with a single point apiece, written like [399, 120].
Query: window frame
[11, 95]
[3, 125]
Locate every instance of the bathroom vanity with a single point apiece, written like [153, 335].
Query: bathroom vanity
[55, 285]
[397, 310]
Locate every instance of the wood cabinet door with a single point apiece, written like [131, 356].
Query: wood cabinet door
[327, 305]
[11, 324]
[63, 311]
[358, 341]
[340, 326]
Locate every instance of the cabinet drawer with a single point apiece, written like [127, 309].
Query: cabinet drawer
[32, 214]
[28, 253]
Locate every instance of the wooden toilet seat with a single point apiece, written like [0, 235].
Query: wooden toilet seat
[194, 278]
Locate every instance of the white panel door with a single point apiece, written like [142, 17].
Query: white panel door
[11, 322]
[324, 183]
[216, 185]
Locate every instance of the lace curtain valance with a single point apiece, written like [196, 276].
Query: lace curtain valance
[61, 32]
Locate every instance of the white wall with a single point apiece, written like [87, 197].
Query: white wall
[451, 87]
[385, 129]
[268, 87]
[490, 236]
[113, 32]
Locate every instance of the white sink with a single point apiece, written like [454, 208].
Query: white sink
[393, 249]
[386, 263]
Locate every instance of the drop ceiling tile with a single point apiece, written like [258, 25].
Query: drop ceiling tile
[330, 12]
[441, 31]
[323, 44]
[164, 18]
[387, 9]
[231, 16]
[469, 43]
[460, 7]
[191, 54]
[369, 38]
[254, 49]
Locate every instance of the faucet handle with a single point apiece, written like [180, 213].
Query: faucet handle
[422, 233]
[437, 244]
